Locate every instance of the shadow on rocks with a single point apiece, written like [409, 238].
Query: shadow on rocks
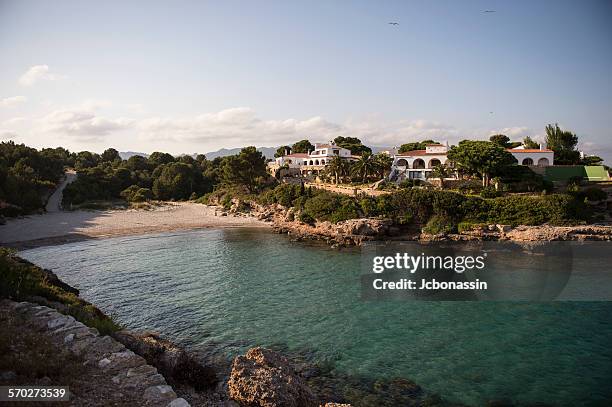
[173, 362]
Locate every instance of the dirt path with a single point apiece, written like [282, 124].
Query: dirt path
[54, 204]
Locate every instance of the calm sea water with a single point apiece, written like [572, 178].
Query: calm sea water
[235, 288]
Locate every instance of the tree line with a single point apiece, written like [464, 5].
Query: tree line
[28, 176]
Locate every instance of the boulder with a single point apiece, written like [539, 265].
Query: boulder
[169, 359]
[264, 378]
[159, 394]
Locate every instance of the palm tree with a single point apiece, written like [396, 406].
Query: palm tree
[441, 171]
[366, 164]
[336, 167]
[383, 163]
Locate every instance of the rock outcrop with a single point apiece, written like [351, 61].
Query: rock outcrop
[264, 378]
[356, 231]
[345, 233]
[553, 233]
[171, 360]
[542, 233]
[129, 372]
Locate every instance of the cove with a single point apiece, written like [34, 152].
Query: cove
[225, 290]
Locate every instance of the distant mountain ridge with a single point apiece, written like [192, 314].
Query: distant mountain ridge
[127, 154]
[267, 152]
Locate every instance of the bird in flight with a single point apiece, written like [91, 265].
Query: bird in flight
[489, 11]
[393, 23]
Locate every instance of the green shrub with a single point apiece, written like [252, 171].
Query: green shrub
[306, 218]
[134, 193]
[409, 183]
[21, 280]
[347, 210]
[469, 186]
[556, 209]
[322, 205]
[439, 225]
[594, 194]
[489, 192]
[368, 206]
[467, 226]
[520, 178]
[226, 201]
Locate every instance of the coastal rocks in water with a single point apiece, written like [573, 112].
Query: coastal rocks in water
[169, 359]
[543, 233]
[364, 227]
[551, 233]
[263, 378]
[346, 233]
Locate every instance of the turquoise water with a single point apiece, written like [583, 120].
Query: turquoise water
[235, 288]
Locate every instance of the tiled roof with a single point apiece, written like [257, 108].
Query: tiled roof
[528, 150]
[298, 155]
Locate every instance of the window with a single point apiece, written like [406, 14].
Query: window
[527, 161]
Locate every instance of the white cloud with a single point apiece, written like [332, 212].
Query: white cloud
[379, 133]
[136, 108]
[38, 73]
[81, 124]
[14, 121]
[12, 101]
[515, 133]
[235, 125]
[95, 104]
[241, 126]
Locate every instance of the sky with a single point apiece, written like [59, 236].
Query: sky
[196, 76]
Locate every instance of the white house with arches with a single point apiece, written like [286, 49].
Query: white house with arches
[540, 157]
[419, 164]
[313, 162]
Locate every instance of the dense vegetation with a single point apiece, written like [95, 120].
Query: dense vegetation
[422, 206]
[162, 176]
[28, 175]
[23, 281]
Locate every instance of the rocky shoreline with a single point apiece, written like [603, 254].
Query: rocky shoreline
[150, 370]
[354, 232]
[129, 373]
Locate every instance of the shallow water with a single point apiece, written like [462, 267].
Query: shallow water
[235, 288]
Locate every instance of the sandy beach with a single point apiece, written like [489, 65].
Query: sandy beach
[63, 227]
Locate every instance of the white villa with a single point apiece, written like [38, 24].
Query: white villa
[311, 163]
[418, 164]
[540, 157]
